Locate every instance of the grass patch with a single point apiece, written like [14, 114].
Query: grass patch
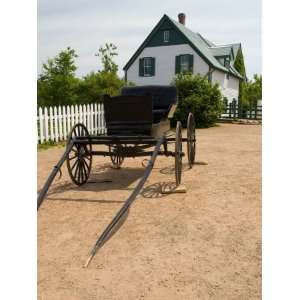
[50, 144]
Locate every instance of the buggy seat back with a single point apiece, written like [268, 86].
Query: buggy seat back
[128, 115]
[164, 99]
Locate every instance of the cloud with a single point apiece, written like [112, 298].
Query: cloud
[85, 25]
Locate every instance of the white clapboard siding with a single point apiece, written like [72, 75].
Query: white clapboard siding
[55, 123]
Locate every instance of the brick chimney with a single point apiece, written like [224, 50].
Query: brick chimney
[181, 18]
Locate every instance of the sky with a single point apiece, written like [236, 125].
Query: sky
[87, 25]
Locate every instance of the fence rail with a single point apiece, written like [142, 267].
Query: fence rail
[233, 111]
[55, 123]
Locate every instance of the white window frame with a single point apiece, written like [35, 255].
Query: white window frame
[147, 66]
[166, 36]
[184, 63]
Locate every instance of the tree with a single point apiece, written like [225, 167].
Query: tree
[239, 65]
[253, 91]
[106, 81]
[57, 82]
[198, 95]
[106, 55]
[96, 84]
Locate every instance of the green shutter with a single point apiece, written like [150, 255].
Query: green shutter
[191, 63]
[141, 67]
[152, 66]
[177, 64]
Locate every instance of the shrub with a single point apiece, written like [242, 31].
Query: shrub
[197, 95]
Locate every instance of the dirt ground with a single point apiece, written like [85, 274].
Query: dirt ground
[205, 244]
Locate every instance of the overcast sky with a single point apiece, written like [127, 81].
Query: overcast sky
[86, 25]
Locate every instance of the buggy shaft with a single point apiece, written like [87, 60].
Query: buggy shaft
[127, 203]
[51, 177]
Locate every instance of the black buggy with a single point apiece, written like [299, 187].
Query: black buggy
[137, 125]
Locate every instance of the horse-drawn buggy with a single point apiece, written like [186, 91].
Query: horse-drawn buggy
[138, 125]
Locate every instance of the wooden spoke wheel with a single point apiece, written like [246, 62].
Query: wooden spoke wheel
[191, 139]
[79, 160]
[178, 154]
[116, 156]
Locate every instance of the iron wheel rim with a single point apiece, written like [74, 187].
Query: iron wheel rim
[191, 139]
[178, 154]
[79, 160]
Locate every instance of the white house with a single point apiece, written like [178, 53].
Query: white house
[172, 48]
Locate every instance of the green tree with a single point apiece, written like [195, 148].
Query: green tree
[253, 91]
[95, 85]
[239, 65]
[57, 83]
[199, 96]
[106, 55]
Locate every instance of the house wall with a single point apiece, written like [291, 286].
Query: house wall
[229, 87]
[164, 64]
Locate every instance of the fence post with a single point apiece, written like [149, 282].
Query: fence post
[102, 119]
[55, 125]
[80, 113]
[41, 127]
[91, 117]
[59, 117]
[76, 115]
[68, 120]
[255, 112]
[64, 122]
[84, 115]
[46, 124]
[51, 123]
[234, 108]
[87, 108]
[230, 107]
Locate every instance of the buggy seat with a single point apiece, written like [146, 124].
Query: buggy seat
[164, 98]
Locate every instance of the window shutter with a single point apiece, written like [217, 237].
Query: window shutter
[177, 64]
[191, 63]
[152, 66]
[141, 67]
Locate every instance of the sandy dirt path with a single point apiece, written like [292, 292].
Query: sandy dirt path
[205, 244]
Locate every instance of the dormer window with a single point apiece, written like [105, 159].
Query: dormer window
[166, 36]
[227, 63]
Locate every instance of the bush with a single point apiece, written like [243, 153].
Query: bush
[197, 95]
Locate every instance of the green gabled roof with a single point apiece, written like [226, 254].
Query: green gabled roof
[235, 48]
[202, 46]
[209, 43]
[221, 51]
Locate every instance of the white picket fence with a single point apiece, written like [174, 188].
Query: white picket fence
[55, 123]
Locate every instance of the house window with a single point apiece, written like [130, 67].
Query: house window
[166, 36]
[184, 63]
[147, 66]
[227, 63]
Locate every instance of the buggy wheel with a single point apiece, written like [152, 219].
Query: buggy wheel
[178, 154]
[79, 160]
[116, 155]
[191, 139]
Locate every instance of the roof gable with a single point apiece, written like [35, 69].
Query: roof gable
[155, 39]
